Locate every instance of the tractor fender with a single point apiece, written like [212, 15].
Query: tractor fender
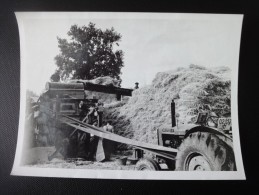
[221, 135]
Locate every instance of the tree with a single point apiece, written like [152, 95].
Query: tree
[88, 54]
[30, 95]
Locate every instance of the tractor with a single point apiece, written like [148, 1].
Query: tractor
[203, 146]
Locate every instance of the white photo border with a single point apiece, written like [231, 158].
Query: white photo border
[123, 174]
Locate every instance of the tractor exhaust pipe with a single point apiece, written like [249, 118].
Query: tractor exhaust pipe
[173, 113]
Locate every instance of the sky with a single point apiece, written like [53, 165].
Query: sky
[151, 42]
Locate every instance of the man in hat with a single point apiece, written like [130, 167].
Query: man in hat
[136, 85]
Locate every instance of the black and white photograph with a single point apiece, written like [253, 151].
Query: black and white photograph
[129, 95]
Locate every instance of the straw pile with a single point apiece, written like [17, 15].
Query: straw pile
[195, 89]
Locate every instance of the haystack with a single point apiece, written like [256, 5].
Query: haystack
[195, 89]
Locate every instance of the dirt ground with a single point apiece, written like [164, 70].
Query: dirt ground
[41, 161]
[79, 164]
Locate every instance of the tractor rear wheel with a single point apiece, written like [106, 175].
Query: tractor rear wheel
[147, 164]
[203, 151]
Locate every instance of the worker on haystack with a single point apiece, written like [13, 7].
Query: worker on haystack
[136, 85]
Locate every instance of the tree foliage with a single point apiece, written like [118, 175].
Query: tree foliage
[90, 53]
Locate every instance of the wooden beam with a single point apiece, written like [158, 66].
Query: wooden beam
[108, 89]
[117, 138]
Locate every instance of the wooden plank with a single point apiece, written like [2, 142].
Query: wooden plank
[101, 130]
[110, 136]
[83, 124]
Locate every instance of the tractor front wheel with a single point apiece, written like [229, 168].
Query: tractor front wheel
[147, 164]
